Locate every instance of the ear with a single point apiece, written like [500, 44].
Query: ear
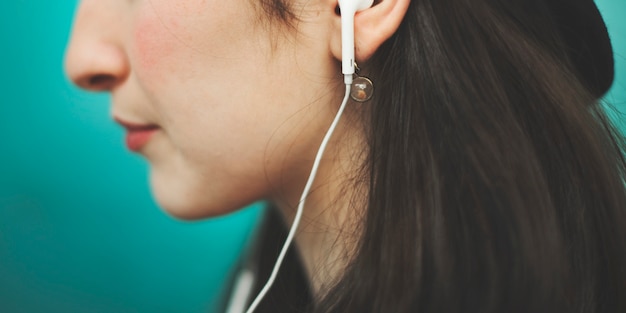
[372, 27]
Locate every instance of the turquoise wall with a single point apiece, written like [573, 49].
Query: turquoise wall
[78, 229]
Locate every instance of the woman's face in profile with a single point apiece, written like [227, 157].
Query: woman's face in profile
[235, 103]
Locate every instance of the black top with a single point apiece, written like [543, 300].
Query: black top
[290, 292]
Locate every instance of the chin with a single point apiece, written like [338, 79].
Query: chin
[184, 212]
[189, 208]
[188, 203]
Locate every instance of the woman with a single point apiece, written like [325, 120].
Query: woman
[482, 176]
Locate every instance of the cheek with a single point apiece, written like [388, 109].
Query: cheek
[186, 38]
[155, 45]
[149, 43]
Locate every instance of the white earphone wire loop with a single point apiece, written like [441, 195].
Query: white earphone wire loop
[305, 193]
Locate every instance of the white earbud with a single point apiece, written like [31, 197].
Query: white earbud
[348, 10]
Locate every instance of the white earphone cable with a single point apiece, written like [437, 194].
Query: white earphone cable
[305, 193]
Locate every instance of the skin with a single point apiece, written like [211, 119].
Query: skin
[241, 105]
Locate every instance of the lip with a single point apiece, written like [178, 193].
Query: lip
[137, 135]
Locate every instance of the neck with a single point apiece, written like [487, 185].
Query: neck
[328, 231]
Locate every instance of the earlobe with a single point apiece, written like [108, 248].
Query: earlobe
[372, 27]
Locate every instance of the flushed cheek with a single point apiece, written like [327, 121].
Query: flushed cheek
[178, 39]
[154, 47]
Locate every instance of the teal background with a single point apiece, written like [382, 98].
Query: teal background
[78, 229]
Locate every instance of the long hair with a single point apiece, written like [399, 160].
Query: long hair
[496, 181]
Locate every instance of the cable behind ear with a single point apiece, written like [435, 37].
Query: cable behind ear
[348, 10]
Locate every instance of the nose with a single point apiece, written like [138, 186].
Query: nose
[95, 58]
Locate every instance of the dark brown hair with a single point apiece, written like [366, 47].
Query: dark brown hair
[496, 178]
